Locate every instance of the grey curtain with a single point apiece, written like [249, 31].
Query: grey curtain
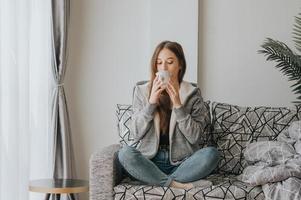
[63, 158]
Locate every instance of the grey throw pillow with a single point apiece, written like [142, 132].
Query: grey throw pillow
[236, 126]
[124, 119]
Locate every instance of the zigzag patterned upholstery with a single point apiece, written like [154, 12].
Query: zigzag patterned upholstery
[233, 128]
[124, 113]
[225, 187]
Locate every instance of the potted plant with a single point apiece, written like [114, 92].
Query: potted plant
[289, 62]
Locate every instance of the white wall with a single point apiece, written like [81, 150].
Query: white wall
[102, 66]
[176, 20]
[111, 42]
[231, 33]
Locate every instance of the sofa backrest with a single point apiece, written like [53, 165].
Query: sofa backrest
[236, 126]
[233, 127]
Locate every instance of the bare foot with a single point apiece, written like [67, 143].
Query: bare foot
[185, 186]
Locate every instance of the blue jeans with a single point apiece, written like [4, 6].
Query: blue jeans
[159, 171]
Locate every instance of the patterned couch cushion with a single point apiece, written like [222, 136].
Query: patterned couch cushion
[235, 127]
[124, 113]
[224, 187]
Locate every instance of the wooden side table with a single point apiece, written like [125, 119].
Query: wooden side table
[56, 187]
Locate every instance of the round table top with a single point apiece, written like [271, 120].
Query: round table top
[59, 186]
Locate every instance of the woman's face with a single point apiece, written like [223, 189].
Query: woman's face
[168, 61]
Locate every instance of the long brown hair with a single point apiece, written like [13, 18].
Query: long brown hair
[164, 108]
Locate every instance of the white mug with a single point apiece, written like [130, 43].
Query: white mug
[164, 76]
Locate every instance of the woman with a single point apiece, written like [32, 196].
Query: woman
[169, 121]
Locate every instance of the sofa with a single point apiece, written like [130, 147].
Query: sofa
[232, 128]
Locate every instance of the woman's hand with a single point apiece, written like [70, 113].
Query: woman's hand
[157, 89]
[173, 92]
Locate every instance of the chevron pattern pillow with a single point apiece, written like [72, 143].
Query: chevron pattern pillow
[235, 126]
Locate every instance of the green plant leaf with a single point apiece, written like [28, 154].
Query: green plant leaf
[297, 32]
[289, 63]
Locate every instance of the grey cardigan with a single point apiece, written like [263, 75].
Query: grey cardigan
[187, 123]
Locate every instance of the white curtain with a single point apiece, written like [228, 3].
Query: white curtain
[25, 54]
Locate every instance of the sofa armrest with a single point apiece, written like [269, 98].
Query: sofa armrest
[105, 172]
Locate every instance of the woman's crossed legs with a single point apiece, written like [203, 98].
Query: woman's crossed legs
[159, 171]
